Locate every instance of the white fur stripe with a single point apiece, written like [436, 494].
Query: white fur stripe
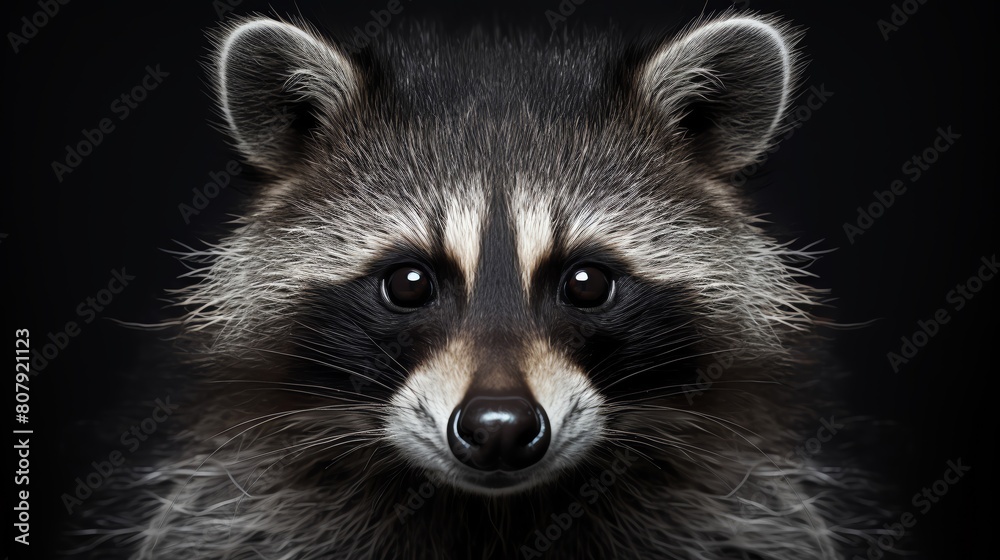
[570, 400]
[463, 228]
[532, 217]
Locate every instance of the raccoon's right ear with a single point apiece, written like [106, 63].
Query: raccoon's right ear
[725, 84]
[275, 83]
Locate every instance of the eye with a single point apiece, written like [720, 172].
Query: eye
[407, 287]
[587, 286]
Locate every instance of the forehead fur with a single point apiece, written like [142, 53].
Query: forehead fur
[553, 131]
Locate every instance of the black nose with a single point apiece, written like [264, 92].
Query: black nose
[506, 433]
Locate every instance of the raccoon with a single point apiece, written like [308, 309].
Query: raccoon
[467, 312]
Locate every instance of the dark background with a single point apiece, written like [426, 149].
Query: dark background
[119, 207]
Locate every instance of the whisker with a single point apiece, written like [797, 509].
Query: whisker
[308, 444]
[781, 473]
[325, 364]
[300, 385]
[693, 389]
[315, 344]
[664, 364]
[404, 370]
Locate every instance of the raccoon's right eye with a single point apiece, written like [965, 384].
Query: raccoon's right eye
[587, 286]
[407, 287]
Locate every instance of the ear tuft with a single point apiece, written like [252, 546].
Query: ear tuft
[275, 82]
[727, 83]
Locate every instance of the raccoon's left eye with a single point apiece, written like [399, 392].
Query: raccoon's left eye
[407, 287]
[587, 286]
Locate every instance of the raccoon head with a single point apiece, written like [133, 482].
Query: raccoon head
[508, 256]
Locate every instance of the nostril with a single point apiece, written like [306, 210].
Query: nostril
[491, 433]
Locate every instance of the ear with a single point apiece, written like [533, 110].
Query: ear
[726, 83]
[276, 82]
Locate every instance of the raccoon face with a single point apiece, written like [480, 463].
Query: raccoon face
[501, 251]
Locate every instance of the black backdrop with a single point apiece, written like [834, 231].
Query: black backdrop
[886, 101]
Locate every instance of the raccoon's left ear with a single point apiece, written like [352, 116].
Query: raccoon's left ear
[726, 83]
[276, 82]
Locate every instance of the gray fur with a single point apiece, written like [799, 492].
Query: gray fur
[586, 131]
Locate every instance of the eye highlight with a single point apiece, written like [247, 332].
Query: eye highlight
[407, 287]
[587, 286]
